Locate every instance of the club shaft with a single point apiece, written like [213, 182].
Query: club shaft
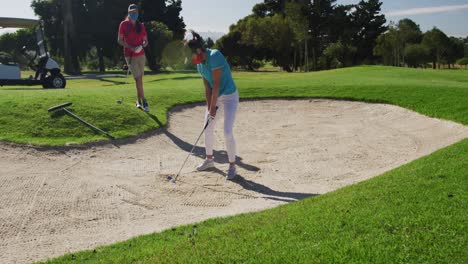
[193, 148]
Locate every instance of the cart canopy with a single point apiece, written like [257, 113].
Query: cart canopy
[11, 22]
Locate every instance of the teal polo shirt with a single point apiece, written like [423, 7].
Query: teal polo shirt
[215, 60]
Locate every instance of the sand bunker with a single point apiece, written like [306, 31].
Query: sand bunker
[59, 201]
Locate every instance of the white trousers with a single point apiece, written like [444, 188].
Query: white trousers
[227, 104]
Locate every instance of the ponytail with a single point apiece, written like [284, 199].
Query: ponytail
[137, 25]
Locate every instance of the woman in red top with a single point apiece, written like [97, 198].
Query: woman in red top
[132, 36]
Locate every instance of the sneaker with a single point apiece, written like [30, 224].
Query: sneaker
[138, 104]
[231, 173]
[145, 105]
[207, 163]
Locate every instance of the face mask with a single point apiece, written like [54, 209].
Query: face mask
[198, 59]
[133, 16]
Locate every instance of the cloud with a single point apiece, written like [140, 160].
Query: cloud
[426, 10]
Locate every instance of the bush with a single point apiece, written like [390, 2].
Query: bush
[337, 55]
[463, 62]
[416, 55]
[159, 36]
[5, 58]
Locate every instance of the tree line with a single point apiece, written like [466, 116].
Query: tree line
[84, 32]
[304, 35]
[296, 35]
[405, 44]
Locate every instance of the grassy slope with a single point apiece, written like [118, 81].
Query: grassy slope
[414, 214]
[25, 119]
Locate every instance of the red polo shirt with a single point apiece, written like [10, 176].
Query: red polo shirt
[132, 37]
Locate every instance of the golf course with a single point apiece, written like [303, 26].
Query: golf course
[361, 164]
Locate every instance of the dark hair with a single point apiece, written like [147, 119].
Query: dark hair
[196, 42]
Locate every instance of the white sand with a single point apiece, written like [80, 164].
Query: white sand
[54, 202]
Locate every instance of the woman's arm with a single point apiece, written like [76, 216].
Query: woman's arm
[215, 91]
[122, 42]
[207, 93]
[145, 42]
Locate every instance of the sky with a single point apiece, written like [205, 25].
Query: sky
[451, 16]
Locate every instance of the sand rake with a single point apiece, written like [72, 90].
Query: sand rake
[63, 107]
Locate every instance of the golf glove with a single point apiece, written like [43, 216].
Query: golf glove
[138, 49]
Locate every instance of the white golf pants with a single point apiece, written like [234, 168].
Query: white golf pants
[227, 104]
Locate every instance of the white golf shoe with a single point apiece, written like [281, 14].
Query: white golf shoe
[207, 164]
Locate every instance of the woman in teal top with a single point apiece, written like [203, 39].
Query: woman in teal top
[221, 94]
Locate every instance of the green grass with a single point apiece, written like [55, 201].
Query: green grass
[25, 119]
[414, 214]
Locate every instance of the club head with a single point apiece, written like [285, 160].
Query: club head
[171, 179]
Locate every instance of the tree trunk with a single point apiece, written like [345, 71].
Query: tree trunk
[102, 67]
[72, 65]
[306, 57]
[314, 60]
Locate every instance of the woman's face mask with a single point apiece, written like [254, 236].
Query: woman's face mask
[197, 59]
[133, 16]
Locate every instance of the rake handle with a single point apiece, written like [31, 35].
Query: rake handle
[87, 124]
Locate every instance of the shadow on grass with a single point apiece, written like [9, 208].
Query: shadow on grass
[23, 89]
[176, 78]
[113, 82]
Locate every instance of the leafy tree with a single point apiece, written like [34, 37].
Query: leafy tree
[297, 16]
[466, 47]
[91, 25]
[340, 27]
[437, 42]
[167, 12]
[159, 36]
[272, 33]
[239, 54]
[209, 43]
[410, 32]
[416, 55]
[455, 50]
[5, 58]
[391, 45]
[385, 47]
[269, 8]
[463, 62]
[320, 21]
[337, 55]
[12, 43]
[369, 24]
[174, 55]
[62, 19]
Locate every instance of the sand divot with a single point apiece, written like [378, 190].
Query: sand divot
[54, 202]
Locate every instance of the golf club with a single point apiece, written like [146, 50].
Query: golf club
[62, 107]
[174, 179]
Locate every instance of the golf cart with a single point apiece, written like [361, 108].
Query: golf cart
[47, 70]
